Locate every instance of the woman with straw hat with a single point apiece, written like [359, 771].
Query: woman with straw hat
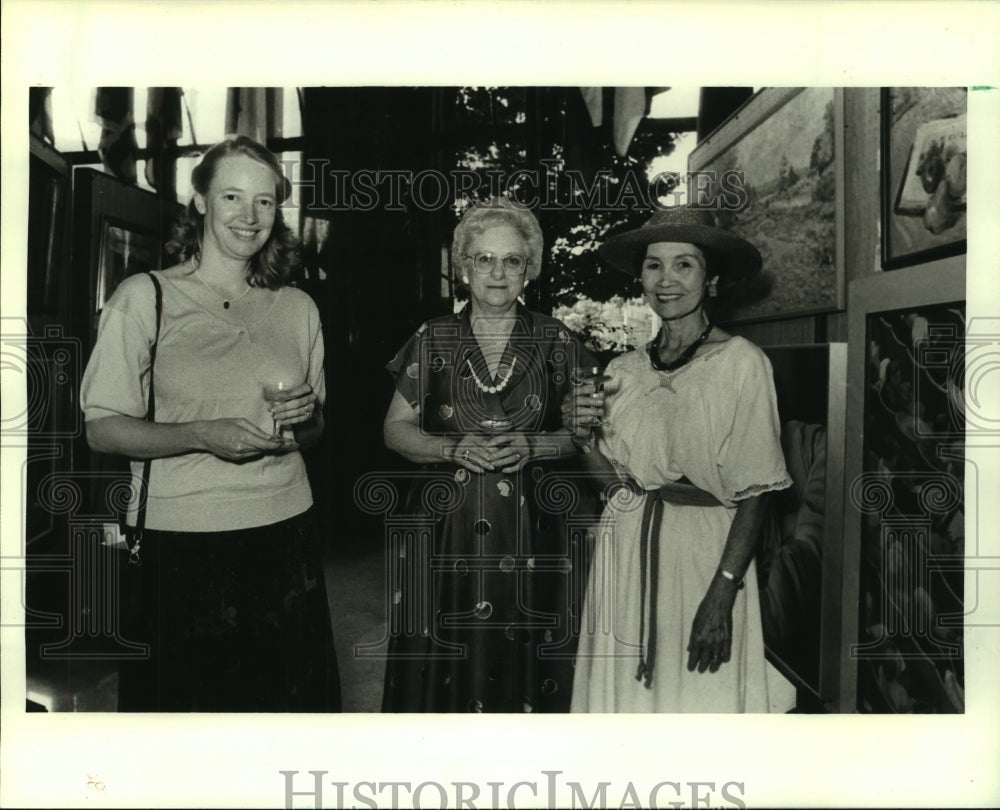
[689, 425]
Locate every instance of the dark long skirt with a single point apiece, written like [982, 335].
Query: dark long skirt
[485, 591]
[237, 621]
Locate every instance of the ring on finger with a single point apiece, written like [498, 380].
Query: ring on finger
[465, 455]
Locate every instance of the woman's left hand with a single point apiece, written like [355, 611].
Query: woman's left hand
[295, 406]
[712, 629]
[510, 451]
[287, 446]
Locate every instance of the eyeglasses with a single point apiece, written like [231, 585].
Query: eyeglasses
[514, 264]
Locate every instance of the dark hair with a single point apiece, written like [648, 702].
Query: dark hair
[731, 291]
[273, 263]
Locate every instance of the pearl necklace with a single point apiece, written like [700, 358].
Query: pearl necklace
[225, 301]
[493, 389]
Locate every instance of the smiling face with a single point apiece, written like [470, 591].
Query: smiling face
[239, 208]
[673, 278]
[494, 292]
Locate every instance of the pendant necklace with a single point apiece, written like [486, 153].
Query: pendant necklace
[493, 389]
[686, 355]
[225, 301]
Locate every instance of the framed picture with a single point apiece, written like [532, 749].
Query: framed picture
[800, 558]
[123, 230]
[785, 146]
[924, 159]
[124, 250]
[904, 510]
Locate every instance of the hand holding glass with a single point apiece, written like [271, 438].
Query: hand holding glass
[274, 393]
[596, 377]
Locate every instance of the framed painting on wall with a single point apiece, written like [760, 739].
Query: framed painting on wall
[786, 147]
[125, 250]
[923, 174]
[124, 231]
[905, 507]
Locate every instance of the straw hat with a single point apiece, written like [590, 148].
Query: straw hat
[733, 258]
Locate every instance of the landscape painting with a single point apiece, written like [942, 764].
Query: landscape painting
[786, 142]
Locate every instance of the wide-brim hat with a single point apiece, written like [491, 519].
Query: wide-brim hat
[733, 258]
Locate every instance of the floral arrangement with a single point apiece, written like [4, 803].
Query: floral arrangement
[611, 327]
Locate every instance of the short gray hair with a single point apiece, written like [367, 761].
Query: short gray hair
[482, 216]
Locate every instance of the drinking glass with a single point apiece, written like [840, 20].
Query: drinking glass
[595, 376]
[278, 392]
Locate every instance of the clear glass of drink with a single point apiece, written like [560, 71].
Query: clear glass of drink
[595, 377]
[278, 392]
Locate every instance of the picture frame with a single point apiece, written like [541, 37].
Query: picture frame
[126, 230]
[786, 145]
[923, 166]
[800, 559]
[125, 250]
[902, 612]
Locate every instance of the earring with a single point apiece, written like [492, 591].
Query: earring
[465, 279]
[713, 288]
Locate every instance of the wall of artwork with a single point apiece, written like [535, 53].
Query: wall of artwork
[868, 200]
[867, 179]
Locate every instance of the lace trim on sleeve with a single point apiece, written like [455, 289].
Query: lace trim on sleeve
[757, 489]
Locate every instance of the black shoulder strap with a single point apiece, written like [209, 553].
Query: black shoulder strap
[151, 407]
[140, 518]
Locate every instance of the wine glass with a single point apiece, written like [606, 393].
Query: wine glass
[278, 392]
[595, 376]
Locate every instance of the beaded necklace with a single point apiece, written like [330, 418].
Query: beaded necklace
[686, 355]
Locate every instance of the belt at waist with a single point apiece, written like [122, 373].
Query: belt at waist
[682, 493]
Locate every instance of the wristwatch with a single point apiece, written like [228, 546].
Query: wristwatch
[737, 581]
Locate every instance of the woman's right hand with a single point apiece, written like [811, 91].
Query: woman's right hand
[474, 453]
[583, 410]
[235, 439]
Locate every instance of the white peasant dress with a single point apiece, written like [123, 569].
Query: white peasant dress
[715, 422]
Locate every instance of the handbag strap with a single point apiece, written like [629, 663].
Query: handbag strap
[140, 518]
